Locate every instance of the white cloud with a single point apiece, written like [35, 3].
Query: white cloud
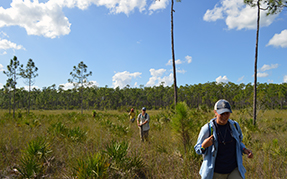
[240, 79]
[136, 84]
[268, 67]
[214, 14]
[279, 39]
[121, 79]
[262, 75]
[221, 79]
[93, 83]
[156, 5]
[115, 6]
[152, 81]
[285, 79]
[1, 67]
[157, 73]
[157, 78]
[47, 19]
[180, 71]
[177, 62]
[237, 15]
[169, 62]
[3, 34]
[168, 80]
[67, 86]
[121, 6]
[32, 87]
[5, 44]
[188, 58]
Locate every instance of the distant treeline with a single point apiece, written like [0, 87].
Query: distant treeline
[270, 96]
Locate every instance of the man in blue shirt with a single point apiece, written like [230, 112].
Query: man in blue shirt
[220, 143]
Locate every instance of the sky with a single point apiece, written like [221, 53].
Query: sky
[128, 42]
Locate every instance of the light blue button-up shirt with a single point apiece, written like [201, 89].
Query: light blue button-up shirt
[210, 153]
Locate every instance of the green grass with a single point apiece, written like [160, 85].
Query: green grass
[66, 144]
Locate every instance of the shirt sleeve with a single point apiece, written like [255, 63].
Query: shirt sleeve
[203, 134]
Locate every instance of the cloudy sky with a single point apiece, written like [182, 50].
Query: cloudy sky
[127, 42]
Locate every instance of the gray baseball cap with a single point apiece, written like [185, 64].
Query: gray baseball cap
[222, 106]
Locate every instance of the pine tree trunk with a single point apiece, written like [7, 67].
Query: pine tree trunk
[255, 66]
[173, 55]
[81, 99]
[14, 106]
[29, 96]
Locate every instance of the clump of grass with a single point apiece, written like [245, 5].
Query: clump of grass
[74, 134]
[93, 166]
[77, 134]
[115, 128]
[121, 163]
[117, 152]
[33, 162]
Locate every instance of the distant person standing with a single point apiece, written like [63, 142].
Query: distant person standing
[220, 143]
[143, 123]
[132, 115]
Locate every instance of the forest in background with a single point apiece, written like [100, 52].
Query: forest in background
[270, 96]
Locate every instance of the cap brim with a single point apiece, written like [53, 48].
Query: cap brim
[220, 111]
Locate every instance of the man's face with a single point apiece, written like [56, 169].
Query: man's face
[222, 118]
[143, 111]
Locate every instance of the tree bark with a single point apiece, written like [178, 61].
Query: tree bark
[173, 56]
[255, 65]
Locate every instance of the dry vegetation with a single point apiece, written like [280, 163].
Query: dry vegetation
[66, 144]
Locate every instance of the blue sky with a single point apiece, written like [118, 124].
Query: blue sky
[128, 41]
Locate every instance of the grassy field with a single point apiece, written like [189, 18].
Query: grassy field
[66, 144]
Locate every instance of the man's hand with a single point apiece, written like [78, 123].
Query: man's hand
[248, 153]
[207, 142]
